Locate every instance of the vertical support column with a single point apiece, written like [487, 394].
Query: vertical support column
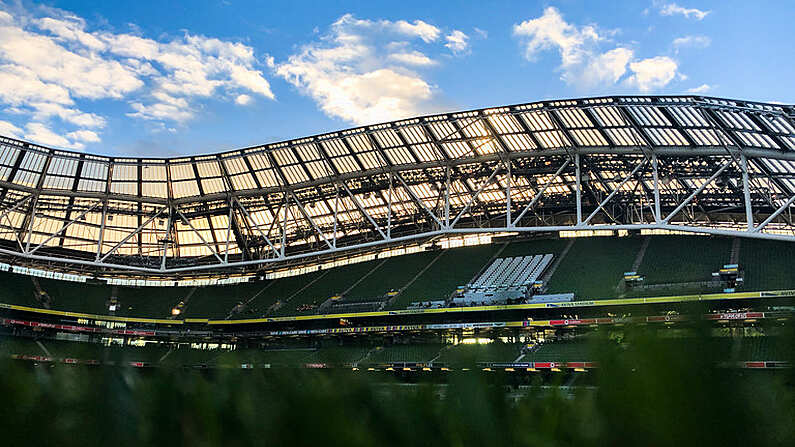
[284, 223]
[171, 212]
[508, 196]
[657, 217]
[389, 211]
[336, 213]
[447, 198]
[749, 215]
[101, 237]
[579, 195]
[30, 224]
[229, 230]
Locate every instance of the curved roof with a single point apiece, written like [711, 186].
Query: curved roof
[254, 205]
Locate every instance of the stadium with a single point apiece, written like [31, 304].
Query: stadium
[498, 239]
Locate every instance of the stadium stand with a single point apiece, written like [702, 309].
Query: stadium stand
[408, 353]
[61, 350]
[685, 263]
[559, 351]
[762, 348]
[679, 259]
[472, 354]
[505, 280]
[12, 345]
[454, 268]
[767, 265]
[69, 296]
[338, 355]
[333, 282]
[260, 357]
[18, 290]
[585, 272]
[394, 274]
[218, 301]
[273, 291]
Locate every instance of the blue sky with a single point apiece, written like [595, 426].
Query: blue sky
[159, 79]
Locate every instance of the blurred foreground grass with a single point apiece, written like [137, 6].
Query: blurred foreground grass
[648, 392]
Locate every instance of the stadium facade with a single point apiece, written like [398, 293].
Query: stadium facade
[422, 245]
[673, 163]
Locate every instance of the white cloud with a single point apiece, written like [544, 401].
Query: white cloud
[84, 135]
[703, 88]
[652, 73]
[243, 100]
[360, 73]
[550, 31]
[457, 42]
[417, 29]
[424, 31]
[166, 107]
[52, 68]
[670, 9]
[71, 28]
[482, 33]
[41, 134]
[22, 85]
[585, 63]
[42, 111]
[412, 58]
[605, 68]
[691, 41]
[8, 129]
[84, 75]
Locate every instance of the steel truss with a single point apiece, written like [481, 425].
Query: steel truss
[695, 164]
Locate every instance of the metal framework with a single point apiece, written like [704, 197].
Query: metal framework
[688, 163]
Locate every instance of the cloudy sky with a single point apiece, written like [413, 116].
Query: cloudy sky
[155, 78]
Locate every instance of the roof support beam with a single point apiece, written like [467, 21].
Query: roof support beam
[541, 192]
[616, 189]
[775, 214]
[201, 238]
[130, 235]
[697, 191]
[254, 224]
[64, 227]
[474, 196]
[418, 201]
[363, 211]
[311, 221]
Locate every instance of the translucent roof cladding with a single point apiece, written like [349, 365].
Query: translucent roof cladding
[611, 122]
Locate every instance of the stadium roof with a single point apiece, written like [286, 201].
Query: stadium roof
[694, 163]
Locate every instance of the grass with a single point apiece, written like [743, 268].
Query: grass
[647, 392]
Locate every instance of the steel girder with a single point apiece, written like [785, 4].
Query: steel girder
[677, 163]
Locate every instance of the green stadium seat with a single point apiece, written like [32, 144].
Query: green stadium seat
[594, 266]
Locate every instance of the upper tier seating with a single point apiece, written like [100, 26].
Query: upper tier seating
[592, 268]
[672, 259]
[767, 265]
[511, 272]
